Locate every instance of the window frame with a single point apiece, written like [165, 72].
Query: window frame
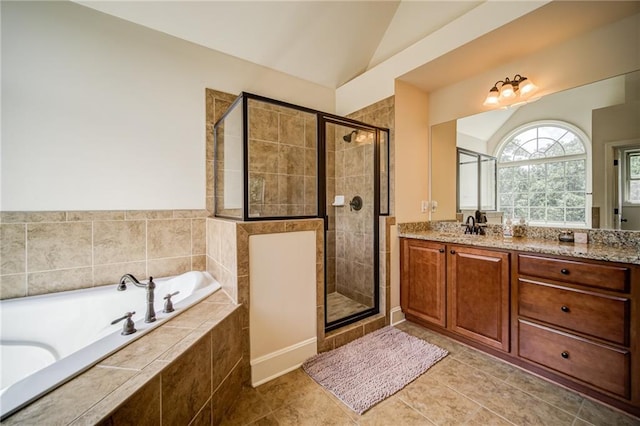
[586, 143]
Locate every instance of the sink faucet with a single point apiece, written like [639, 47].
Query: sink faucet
[471, 225]
[150, 315]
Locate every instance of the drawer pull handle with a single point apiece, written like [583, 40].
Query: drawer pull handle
[564, 271]
[564, 309]
[452, 252]
[441, 250]
[565, 355]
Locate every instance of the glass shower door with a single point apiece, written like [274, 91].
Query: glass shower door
[352, 208]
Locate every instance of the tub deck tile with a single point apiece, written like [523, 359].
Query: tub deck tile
[64, 404]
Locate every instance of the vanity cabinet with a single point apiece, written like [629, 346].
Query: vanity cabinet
[464, 290]
[423, 289]
[574, 319]
[478, 294]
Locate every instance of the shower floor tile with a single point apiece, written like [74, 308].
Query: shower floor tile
[339, 306]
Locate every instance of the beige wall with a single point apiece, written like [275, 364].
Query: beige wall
[102, 114]
[443, 170]
[411, 152]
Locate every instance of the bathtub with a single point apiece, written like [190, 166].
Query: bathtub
[46, 340]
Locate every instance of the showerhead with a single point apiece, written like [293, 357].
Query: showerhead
[347, 137]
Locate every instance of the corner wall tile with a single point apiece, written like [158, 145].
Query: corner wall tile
[168, 238]
[169, 267]
[198, 236]
[199, 263]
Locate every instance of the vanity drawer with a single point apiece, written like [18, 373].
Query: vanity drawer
[575, 272]
[595, 314]
[598, 365]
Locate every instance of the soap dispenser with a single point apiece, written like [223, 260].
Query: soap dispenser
[507, 228]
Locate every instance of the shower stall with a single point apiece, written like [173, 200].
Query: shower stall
[275, 160]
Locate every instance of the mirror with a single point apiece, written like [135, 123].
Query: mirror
[606, 112]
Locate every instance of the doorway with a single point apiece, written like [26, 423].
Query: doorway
[352, 210]
[627, 182]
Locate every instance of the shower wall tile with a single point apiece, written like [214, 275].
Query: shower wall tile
[263, 156]
[12, 249]
[168, 238]
[292, 129]
[59, 280]
[310, 132]
[119, 241]
[58, 245]
[291, 160]
[263, 124]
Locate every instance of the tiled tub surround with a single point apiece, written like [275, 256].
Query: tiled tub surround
[187, 371]
[38, 356]
[608, 245]
[48, 252]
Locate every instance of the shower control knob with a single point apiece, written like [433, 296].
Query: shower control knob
[355, 203]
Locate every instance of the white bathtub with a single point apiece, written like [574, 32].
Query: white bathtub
[48, 339]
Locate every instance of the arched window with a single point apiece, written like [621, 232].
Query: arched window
[542, 174]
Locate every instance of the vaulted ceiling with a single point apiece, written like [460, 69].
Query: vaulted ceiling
[332, 42]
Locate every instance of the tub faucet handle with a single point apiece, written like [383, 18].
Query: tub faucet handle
[168, 305]
[128, 327]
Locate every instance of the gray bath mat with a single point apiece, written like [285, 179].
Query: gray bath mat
[372, 368]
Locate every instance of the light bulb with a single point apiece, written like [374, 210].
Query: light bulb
[507, 91]
[527, 87]
[492, 97]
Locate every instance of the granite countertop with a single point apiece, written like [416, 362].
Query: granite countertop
[611, 253]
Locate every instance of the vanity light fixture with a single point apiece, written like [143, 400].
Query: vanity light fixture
[509, 90]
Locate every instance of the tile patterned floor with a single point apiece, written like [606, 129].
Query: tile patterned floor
[465, 388]
[340, 306]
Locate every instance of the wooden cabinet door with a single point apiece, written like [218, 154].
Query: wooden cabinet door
[423, 283]
[478, 286]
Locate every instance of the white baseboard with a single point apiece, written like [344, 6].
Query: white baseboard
[275, 364]
[397, 316]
